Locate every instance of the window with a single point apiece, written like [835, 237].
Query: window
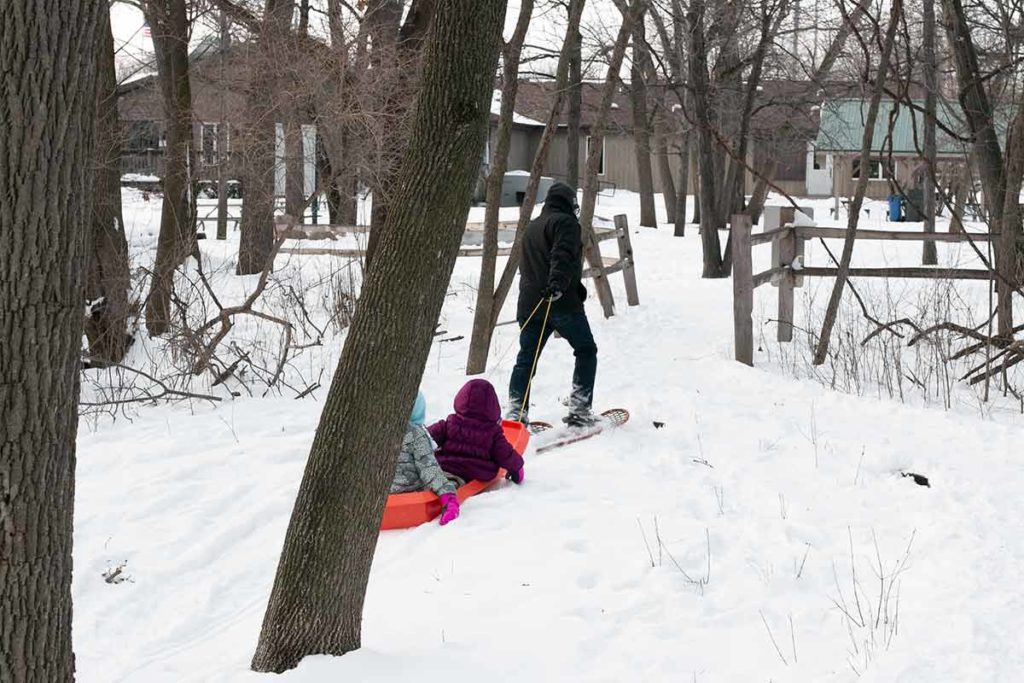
[819, 161]
[878, 169]
[209, 140]
[600, 166]
[141, 136]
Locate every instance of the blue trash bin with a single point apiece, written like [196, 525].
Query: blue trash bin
[895, 208]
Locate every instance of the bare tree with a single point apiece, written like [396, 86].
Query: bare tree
[929, 255]
[697, 56]
[631, 13]
[263, 110]
[878, 88]
[641, 124]
[477, 360]
[483, 329]
[107, 277]
[1000, 176]
[396, 56]
[169, 23]
[575, 114]
[317, 600]
[48, 104]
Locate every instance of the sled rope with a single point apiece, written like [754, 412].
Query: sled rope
[536, 354]
[533, 313]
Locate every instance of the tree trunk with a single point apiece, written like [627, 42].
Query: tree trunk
[47, 104]
[317, 600]
[760, 192]
[683, 189]
[980, 116]
[668, 183]
[597, 132]
[929, 255]
[107, 277]
[641, 126]
[295, 165]
[262, 115]
[539, 161]
[384, 18]
[821, 351]
[572, 133]
[169, 22]
[701, 87]
[223, 157]
[835, 49]
[480, 341]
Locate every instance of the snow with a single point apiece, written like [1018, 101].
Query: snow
[715, 548]
[516, 117]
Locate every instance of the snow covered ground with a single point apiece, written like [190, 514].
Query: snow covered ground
[764, 533]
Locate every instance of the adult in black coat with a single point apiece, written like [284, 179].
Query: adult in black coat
[551, 295]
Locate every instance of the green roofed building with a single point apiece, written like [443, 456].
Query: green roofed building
[897, 156]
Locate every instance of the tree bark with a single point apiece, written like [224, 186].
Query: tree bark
[683, 189]
[480, 341]
[575, 117]
[597, 132]
[384, 18]
[668, 183]
[929, 255]
[295, 165]
[256, 242]
[641, 125]
[998, 194]
[47, 105]
[539, 162]
[317, 600]
[701, 87]
[107, 277]
[223, 157]
[835, 48]
[831, 312]
[169, 22]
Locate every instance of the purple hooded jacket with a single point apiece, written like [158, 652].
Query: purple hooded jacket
[471, 444]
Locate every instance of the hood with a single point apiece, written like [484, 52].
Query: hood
[478, 400]
[561, 197]
[419, 410]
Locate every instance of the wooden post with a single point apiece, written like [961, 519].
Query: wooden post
[787, 252]
[626, 257]
[742, 289]
[592, 249]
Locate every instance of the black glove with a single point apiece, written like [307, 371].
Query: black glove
[551, 293]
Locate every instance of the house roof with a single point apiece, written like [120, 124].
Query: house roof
[533, 101]
[842, 128]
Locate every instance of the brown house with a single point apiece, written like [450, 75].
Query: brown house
[219, 80]
[782, 129]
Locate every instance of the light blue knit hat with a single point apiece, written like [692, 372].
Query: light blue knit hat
[419, 410]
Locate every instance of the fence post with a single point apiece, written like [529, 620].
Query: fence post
[626, 256]
[592, 250]
[787, 253]
[742, 290]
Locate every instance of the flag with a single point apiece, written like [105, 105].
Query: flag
[146, 31]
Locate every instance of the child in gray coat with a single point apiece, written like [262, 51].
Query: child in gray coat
[417, 468]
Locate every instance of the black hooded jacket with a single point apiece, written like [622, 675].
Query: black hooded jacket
[552, 255]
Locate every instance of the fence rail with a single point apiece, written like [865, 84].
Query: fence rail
[788, 240]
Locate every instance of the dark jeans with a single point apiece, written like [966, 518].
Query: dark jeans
[575, 329]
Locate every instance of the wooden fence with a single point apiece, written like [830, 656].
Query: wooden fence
[285, 227]
[787, 270]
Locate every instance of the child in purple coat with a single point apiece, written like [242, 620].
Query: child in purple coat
[471, 443]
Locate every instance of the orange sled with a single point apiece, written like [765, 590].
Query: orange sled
[405, 510]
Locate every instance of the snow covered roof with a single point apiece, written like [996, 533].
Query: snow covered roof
[517, 118]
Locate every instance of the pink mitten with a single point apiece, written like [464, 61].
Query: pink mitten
[449, 508]
[516, 477]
